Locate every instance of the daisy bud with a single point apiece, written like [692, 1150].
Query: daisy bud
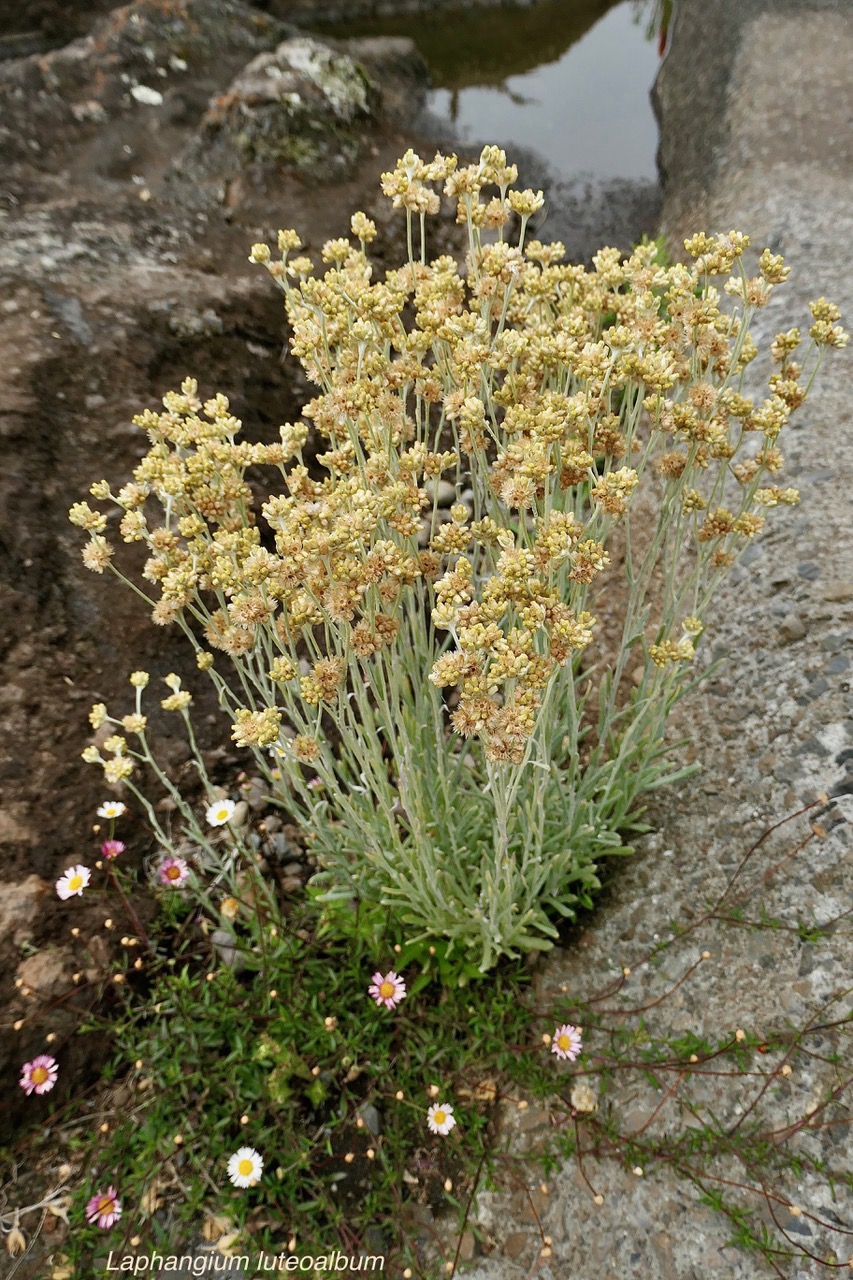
[244, 1119]
[138, 1064]
[118, 978]
[50, 1037]
[178, 1140]
[17, 1025]
[209, 977]
[330, 1023]
[407, 1274]
[432, 953]
[315, 1071]
[433, 1091]
[598, 1200]
[349, 1157]
[138, 964]
[359, 1122]
[273, 995]
[706, 955]
[546, 1039]
[104, 1128]
[370, 1153]
[795, 1210]
[740, 1035]
[637, 1171]
[108, 923]
[75, 977]
[291, 1244]
[787, 1069]
[448, 1184]
[626, 971]
[135, 1241]
[523, 1104]
[694, 1057]
[75, 932]
[16, 1242]
[545, 1251]
[397, 948]
[399, 1095]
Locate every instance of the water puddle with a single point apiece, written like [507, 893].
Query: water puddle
[564, 85]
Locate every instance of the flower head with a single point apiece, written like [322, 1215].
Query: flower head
[220, 812]
[110, 849]
[173, 871]
[440, 1118]
[40, 1075]
[104, 1208]
[111, 809]
[73, 882]
[388, 990]
[566, 1042]
[245, 1167]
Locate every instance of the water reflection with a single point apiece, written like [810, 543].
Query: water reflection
[568, 79]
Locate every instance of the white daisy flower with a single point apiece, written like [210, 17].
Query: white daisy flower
[440, 1118]
[73, 882]
[220, 812]
[245, 1167]
[111, 809]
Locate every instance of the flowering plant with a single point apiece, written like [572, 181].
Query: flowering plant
[497, 452]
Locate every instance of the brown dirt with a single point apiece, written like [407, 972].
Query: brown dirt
[110, 300]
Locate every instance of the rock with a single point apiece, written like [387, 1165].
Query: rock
[395, 66]
[464, 1247]
[371, 1117]
[46, 974]
[240, 816]
[111, 73]
[443, 492]
[838, 592]
[792, 628]
[229, 951]
[19, 907]
[304, 107]
[516, 1243]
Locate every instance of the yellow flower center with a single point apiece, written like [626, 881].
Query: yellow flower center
[105, 1204]
[75, 883]
[222, 815]
[564, 1042]
[386, 990]
[439, 1117]
[38, 1075]
[245, 1168]
[173, 873]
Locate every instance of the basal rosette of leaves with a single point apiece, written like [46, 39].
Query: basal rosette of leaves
[422, 685]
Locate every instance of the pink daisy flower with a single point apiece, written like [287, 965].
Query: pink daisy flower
[104, 1208]
[112, 848]
[388, 990]
[173, 871]
[40, 1075]
[566, 1042]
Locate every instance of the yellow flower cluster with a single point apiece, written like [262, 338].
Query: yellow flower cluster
[545, 391]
